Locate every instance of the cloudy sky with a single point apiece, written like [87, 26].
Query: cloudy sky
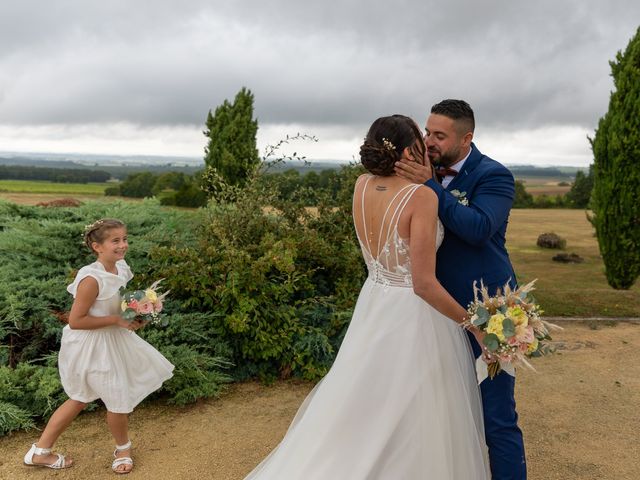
[139, 76]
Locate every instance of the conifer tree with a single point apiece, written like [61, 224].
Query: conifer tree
[616, 189]
[231, 130]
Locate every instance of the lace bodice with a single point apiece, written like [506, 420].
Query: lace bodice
[391, 266]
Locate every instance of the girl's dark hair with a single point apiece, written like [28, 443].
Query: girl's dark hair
[97, 231]
[386, 140]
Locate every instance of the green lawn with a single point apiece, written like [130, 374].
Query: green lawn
[566, 289]
[33, 186]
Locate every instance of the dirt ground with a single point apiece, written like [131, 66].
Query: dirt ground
[579, 414]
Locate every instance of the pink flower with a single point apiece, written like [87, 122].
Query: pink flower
[157, 305]
[514, 341]
[133, 304]
[524, 334]
[505, 357]
[145, 308]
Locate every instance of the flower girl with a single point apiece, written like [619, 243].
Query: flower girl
[100, 355]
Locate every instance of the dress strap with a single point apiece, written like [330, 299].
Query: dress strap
[395, 218]
[364, 219]
[384, 217]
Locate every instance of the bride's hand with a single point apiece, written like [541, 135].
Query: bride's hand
[479, 335]
[413, 171]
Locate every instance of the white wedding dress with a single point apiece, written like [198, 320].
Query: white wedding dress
[401, 401]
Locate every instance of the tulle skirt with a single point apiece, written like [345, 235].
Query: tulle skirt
[401, 401]
[112, 364]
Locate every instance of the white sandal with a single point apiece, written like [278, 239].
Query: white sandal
[57, 465]
[122, 460]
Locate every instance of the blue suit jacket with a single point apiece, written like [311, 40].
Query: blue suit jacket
[474, 243]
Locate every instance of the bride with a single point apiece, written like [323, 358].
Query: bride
[401, 400]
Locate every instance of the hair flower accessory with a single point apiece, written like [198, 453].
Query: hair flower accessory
[93, 226]
[388, 145]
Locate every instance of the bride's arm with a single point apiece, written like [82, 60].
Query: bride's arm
[422, 237]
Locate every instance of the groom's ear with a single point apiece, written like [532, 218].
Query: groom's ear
[467, 139]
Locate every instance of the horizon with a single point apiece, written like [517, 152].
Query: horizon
[191, 161]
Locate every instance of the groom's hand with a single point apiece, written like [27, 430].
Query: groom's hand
[413, 171]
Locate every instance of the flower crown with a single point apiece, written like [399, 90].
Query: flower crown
[388, 145]
[93, 226]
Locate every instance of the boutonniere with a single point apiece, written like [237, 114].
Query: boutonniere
[461, 196]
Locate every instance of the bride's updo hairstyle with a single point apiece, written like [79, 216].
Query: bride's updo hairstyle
[386, 140]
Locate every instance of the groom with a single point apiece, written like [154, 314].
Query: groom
[475, 196]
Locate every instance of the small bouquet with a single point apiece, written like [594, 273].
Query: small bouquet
[512, 323]
[146, 304]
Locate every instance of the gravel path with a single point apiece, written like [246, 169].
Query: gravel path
[578, 413]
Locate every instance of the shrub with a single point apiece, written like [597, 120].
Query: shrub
[616, 172]
[551, 240]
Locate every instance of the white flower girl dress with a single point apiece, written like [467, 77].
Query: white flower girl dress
[110, 363]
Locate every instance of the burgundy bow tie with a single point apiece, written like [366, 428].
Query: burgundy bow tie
[442, 172]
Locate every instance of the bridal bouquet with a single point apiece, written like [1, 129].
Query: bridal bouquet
[512, 324]
[146, 304]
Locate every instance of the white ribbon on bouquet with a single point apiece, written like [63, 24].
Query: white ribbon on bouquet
[482, 369]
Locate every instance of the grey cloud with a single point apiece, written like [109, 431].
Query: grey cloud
[520, 65]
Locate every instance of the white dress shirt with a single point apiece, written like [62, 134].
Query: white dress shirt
[457, 167]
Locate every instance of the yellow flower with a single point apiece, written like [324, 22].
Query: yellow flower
[151, 295]
[533, 346]
[123, 306]
[518, 315]
[495, 326]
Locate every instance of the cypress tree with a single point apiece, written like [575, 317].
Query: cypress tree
[616, 170]
[231, 130]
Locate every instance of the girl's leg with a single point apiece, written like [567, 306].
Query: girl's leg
[57, 424]
[119, 426]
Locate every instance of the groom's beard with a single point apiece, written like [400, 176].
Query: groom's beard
[445, 159]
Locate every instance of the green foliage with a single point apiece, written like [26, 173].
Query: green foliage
[523, 199]
[196, 375]
[550, 201]
[59, 175]
[616, 172]
[308, 188]
[136, 185]
[580, 193]
[172, 188]
[14, 418]
[279, 277]
[231, 150]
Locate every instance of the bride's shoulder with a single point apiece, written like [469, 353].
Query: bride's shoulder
[423, 201]
[425, 193]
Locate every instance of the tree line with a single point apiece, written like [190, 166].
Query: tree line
[578, 196]
[58, 175]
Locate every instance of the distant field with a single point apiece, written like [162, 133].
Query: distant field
[545, 185]
[32, 186]
[566, 289]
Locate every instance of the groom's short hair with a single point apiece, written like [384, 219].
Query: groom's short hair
[459, 111]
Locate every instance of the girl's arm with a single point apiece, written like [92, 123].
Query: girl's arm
[79, 318]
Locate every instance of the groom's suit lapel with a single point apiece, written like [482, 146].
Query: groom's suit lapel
[469, 166]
